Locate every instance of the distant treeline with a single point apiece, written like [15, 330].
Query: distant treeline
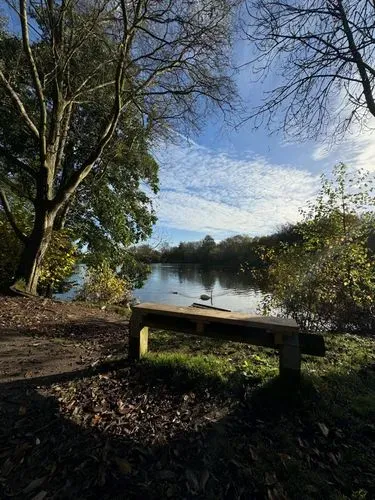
[232, 252]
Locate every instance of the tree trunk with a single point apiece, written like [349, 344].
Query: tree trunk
[31, 260]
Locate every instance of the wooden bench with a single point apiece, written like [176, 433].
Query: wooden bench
[277, 333]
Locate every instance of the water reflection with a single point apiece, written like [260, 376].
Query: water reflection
[182, 284]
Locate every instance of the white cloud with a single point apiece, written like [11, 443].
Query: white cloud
[357, 149]
[218, 193]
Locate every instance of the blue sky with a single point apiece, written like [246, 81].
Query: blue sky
[225, 181]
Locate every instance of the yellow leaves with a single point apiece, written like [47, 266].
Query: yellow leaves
[123, 466]
[103, 285]
[59, 261]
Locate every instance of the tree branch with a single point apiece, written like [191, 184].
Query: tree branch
[4, 201]
[367, 88]
[35, 77]
[19, 105]
[18, 163]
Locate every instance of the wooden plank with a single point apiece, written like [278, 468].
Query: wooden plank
[204, 306]
[309, 344]
[231, 318]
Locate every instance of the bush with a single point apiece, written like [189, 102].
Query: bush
[10, 245]
[10, 251]
[103, 285]
[58, 263]
[328, 281]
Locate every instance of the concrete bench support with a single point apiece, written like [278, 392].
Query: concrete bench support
[138, 337]
[277, 333]
[290, 358]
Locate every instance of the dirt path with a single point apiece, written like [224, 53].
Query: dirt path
[45, 337]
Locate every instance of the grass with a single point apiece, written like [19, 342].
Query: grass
[345, 353]
[324, 431]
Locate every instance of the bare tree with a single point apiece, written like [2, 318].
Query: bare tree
[70, 72]
[323, 52]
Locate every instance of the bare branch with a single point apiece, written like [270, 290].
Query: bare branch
[35, 76]
[320, 50]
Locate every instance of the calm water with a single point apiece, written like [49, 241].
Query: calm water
[183, 284]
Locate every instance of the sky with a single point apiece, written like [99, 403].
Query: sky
[226, 181]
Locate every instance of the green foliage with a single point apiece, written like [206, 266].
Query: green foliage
[328, 281]
[111, 210]
[10, 246]
[103, 285]
[58, 263]
[10, 249]
[238, 252]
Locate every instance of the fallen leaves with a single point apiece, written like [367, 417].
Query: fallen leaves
[35, 484]
[119, 430]
[324, 429]
[123, 465]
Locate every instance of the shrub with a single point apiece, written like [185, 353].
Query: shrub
[328, 281]
[10, 245]
[58, 264]
[103, 285]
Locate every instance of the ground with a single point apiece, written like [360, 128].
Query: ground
[46, 337]
[198, 418]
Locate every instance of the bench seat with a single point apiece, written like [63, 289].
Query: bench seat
[273, 332]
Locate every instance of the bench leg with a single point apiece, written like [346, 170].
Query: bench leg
[138, 338]
[290, 359]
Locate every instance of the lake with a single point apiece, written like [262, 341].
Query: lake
[183, 284]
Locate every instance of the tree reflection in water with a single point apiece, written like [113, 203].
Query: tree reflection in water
[182, 284]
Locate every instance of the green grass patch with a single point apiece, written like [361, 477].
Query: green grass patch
[196, 361]
[188, 371]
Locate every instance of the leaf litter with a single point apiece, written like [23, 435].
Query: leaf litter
[114, 431]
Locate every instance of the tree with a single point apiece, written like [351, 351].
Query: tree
[323, 53]
[111, 211]
[72, 69]
[327, 281]
[206, 250]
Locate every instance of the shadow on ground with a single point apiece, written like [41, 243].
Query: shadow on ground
[116, 431]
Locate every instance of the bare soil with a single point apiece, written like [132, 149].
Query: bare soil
[41, 337]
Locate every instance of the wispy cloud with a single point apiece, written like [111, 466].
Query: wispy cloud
[217, 193]
[357, 148]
